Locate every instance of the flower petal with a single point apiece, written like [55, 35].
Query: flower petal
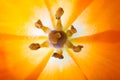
[110, 36]
[78, 7]
[37, 71]
[13, 16]
[16, 58]
[99, 16]
[55, 4]
[99, 61]
[57, 69]
[19, 17]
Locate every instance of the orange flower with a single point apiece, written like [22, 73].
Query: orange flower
[97, 24]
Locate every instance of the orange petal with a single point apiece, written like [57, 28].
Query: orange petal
[37, 71]
[16, 59]
[99, 16]
[55, 4]
[62, 69]
[18, 17]
[110, 36]
[78, 7]
[99, 60]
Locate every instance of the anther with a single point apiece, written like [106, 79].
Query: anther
[58, 54]
[34, 46]
[59, 13]
[77, 48]
[38, 24]
[73, 30]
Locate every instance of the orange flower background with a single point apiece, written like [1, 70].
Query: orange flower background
[98, 29]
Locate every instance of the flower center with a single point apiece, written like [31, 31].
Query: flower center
[57, 38]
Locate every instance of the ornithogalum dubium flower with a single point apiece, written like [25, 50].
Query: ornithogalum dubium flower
[59, 40]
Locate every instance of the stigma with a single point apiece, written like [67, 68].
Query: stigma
[57, 38]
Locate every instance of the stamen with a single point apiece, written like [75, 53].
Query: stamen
[59, 26]
[39, 25]
[69, 44]
[45, 44]
[46, 29]
[73, 47]
[71, 31]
